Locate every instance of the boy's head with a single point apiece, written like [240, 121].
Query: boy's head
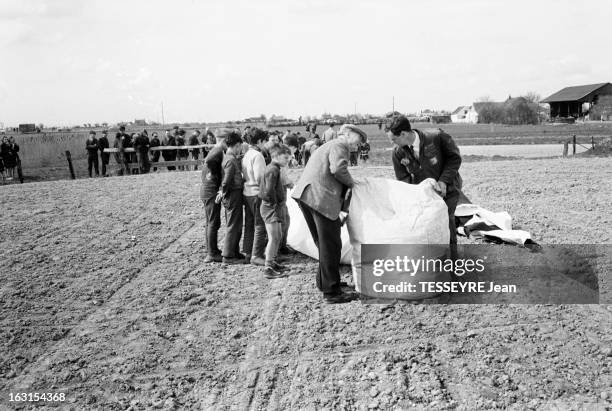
[354, 135]
[233, 141]
[399, 131]
[257, 137]
[280, 154]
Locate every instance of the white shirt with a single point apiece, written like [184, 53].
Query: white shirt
[253, 170]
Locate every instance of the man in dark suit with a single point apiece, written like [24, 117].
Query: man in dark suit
[319, 193]
[103, 143]
[430, 153]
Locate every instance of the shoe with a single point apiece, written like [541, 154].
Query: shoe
[339, 298]
[247, 259]
[271, 274]
[285, 251]
[233, 260]
[213, 258]
[258, 261]
[278, 266]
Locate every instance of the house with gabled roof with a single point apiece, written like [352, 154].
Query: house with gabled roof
[464, 114]
[576, 101]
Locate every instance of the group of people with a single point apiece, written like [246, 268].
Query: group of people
[9, 157]
[254, 181]
[142, 155]
[247, 175]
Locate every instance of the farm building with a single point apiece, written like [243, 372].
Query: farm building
[576, 101]
[464, 114]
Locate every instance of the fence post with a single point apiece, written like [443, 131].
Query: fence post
[592, 143]
[70, 164]
[574, 145]
[565, 146]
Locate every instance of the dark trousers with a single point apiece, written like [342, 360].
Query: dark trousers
[233, 216]
[326, 236]
[451, 202]
[143, 162]
[254, 242]
[213, 222]
[92, 161]
[105, 158]
[353, 155]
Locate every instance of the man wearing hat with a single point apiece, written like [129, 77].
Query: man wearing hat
[91, 145]
[320, 193]
[212, 176]
[102, 144]
[429, 153]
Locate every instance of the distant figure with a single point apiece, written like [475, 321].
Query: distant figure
[5, 155]
[141, 145]
[354, 155]
[194, 141]
[364, 152]
[91, 145]
[180, 141]
[105, 157]
[156, 153]
[169, 155]
[330, 134]
[380, 125]
[122, 141]
[134, 155]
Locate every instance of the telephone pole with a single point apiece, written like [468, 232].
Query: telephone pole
[163, 120]
[393, 107]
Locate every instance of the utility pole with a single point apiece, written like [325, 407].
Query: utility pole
[393, 108]
[163, 120]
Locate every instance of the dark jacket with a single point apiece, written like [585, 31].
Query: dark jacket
[169, 155]
[212, 172]
[92, 147]
[155, 143]
[193, 141]
[439, 158]
[180, 141]
[232, 174]
[141, 144]
[271, 188]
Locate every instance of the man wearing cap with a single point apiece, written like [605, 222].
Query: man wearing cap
[103, 144]
[429, 153]
[319, 194]
[212, 176]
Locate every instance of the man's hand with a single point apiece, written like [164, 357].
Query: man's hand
[219, 197]
[440, 187]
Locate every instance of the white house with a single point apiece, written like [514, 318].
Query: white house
[464, 114]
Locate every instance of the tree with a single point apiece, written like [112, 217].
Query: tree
[603, 107]
[532, 97]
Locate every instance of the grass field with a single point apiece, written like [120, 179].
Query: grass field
[42, 155]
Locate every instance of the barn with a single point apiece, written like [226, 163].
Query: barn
[576, 101]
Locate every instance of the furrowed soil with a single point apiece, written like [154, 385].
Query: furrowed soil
[105, 297]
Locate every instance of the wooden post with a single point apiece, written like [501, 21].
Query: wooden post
[70, 164]
[592, 143]
[574, 145]
[565, 146]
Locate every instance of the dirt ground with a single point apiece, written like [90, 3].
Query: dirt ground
[104, 297]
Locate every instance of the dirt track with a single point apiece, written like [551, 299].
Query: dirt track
[104, 297]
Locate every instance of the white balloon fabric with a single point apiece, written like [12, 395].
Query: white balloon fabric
[382, 211]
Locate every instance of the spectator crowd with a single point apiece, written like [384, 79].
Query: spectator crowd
[9, 158]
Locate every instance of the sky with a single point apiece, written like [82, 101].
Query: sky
[69, 62]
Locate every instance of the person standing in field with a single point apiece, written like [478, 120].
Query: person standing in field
[5, 157]
[91, 145]
[212, 175]
[423, 154]
[102, 145]
[195, 141]
[320, 193]
[253, 170]
[273, 195]
[141, 145]
[230, 193]
[330, 134]
[169, 155]
[13, 157]
[364, 152]
[155, 153]
[122, 141]
[181, 154]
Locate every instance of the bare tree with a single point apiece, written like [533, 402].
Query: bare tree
[532, 97]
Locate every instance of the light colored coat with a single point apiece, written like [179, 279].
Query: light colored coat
[324, 179]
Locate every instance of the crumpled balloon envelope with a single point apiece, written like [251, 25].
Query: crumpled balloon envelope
[382, 211]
